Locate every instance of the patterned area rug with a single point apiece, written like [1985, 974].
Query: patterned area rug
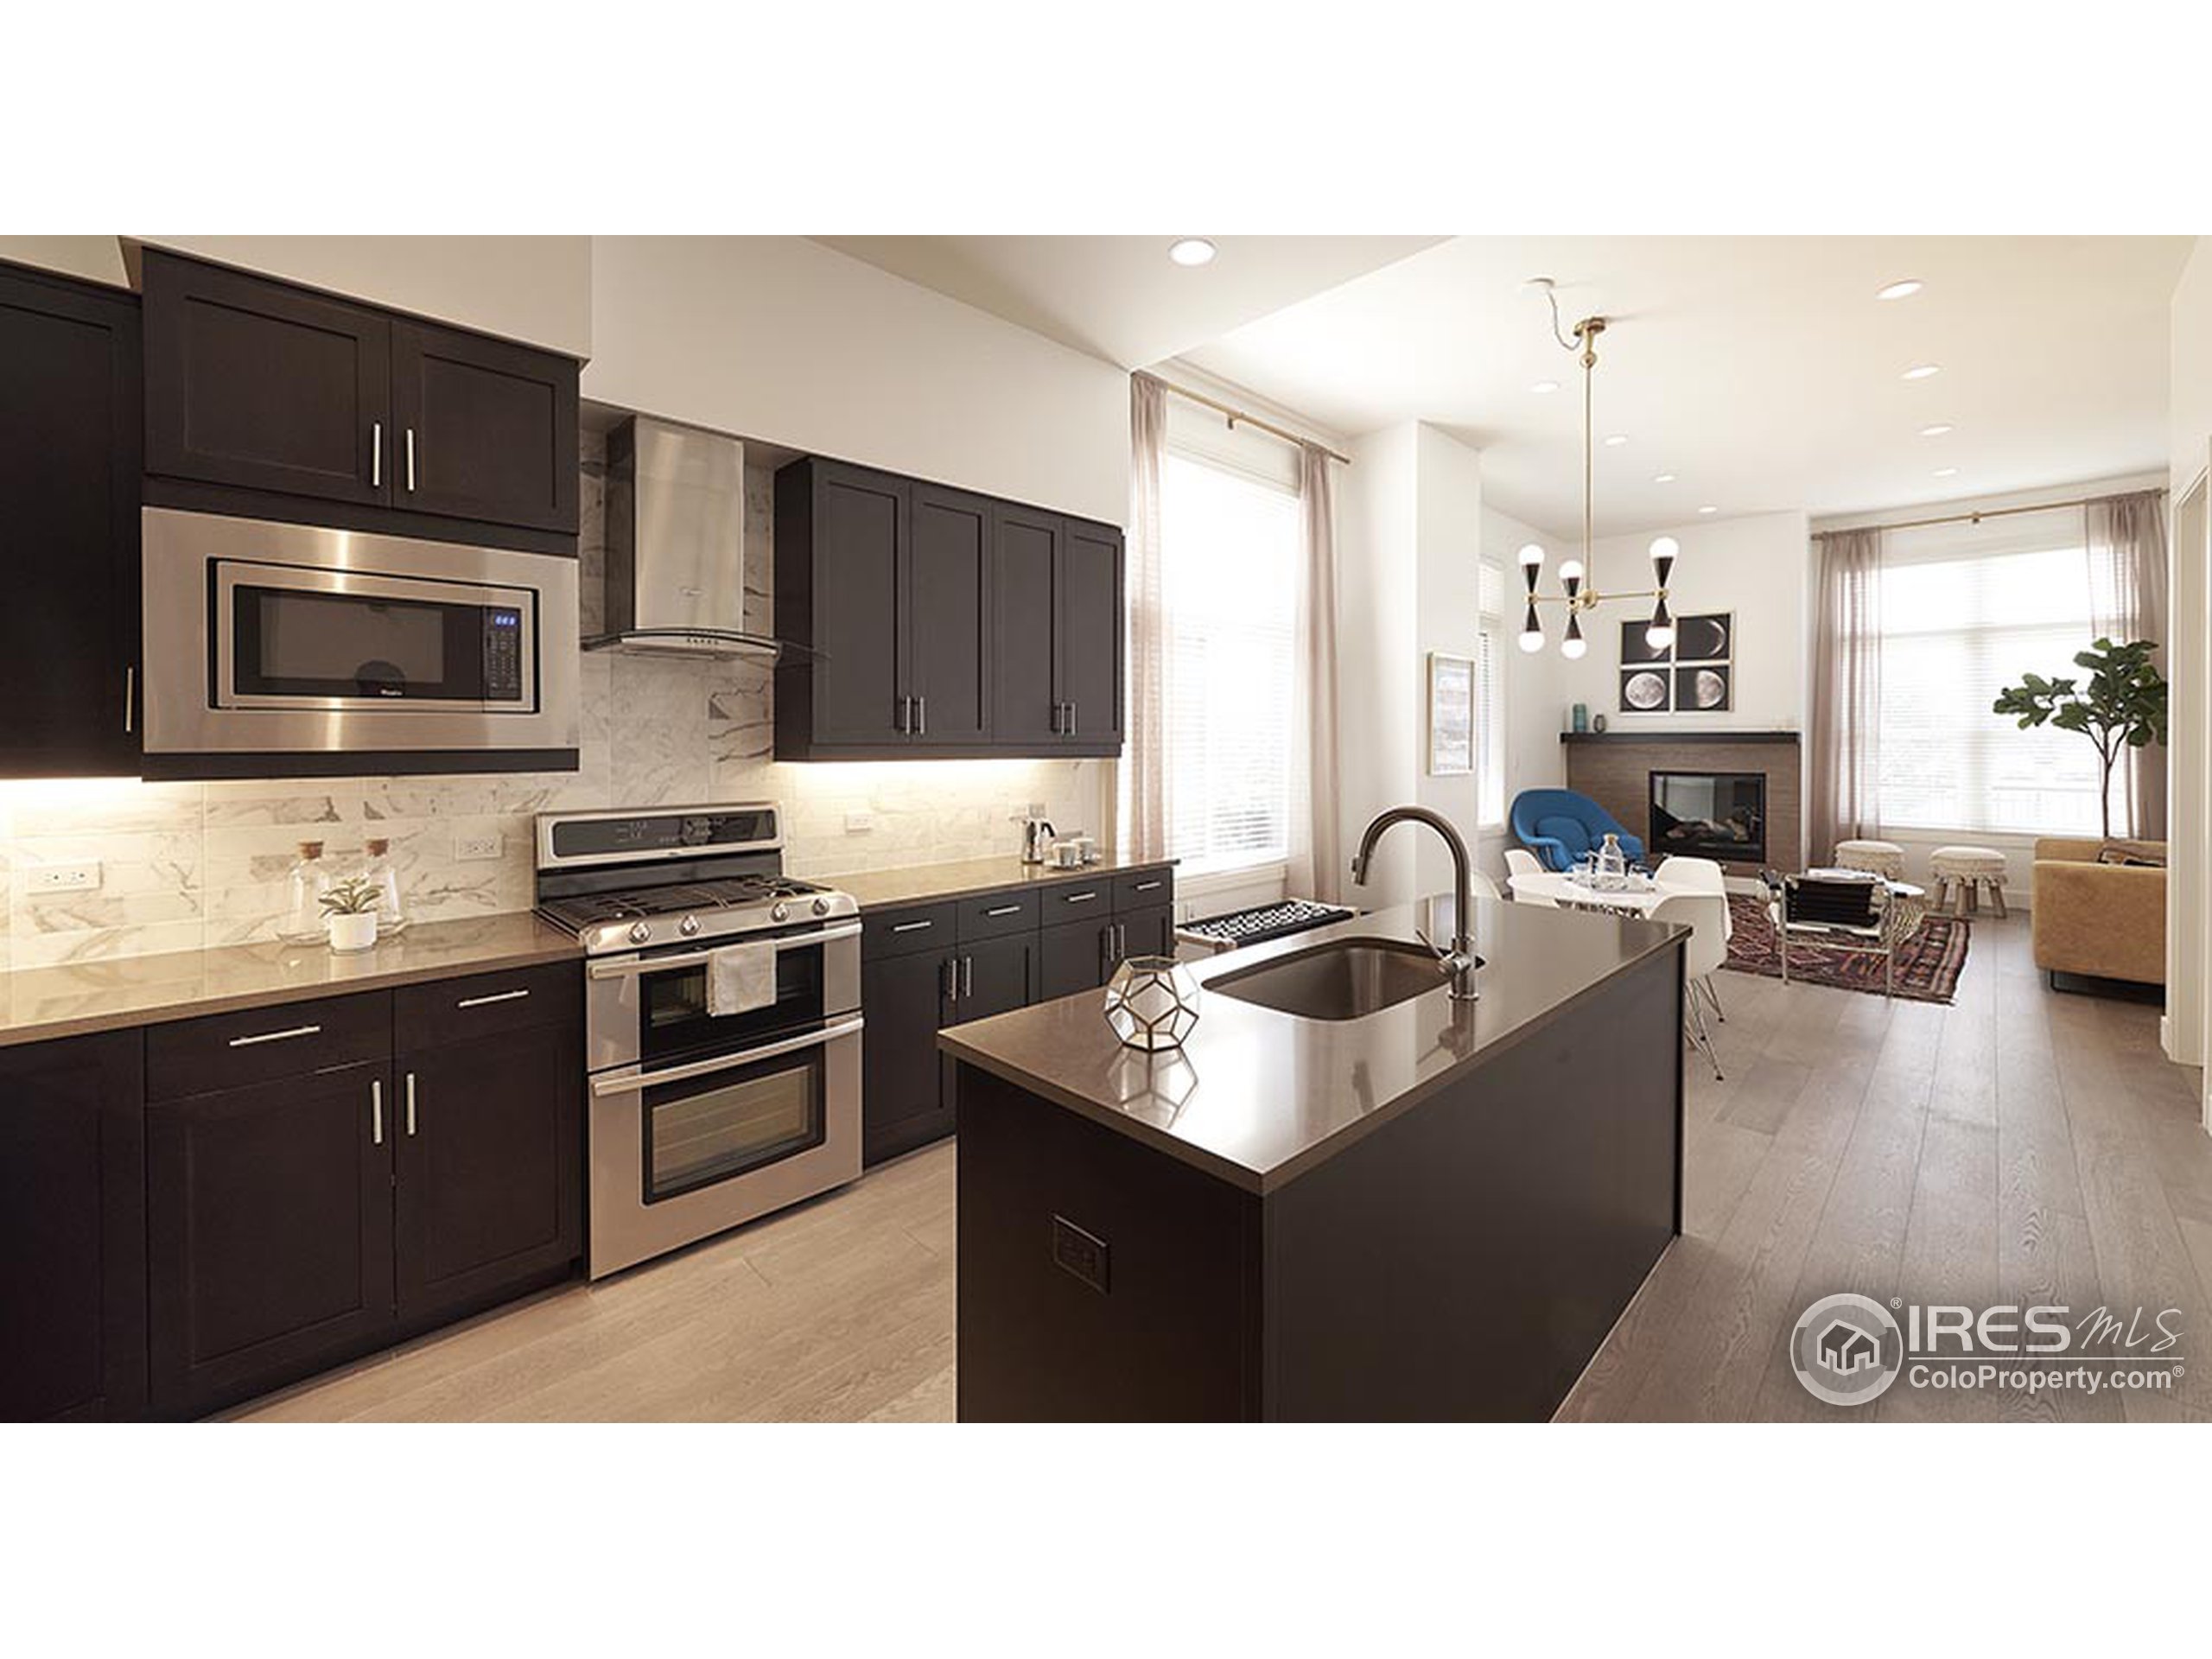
[1927, 965]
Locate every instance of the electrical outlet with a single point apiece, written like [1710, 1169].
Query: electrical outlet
[1036, 809]
[475, 848]
[859, 823]
[66, 878]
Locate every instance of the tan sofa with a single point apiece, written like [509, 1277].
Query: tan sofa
[2105, 920]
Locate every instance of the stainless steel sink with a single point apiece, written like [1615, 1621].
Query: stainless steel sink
[1339, 981]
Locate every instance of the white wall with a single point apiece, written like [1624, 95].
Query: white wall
[1377, 653]
[1755, 567]
[779, 338]
[1447, 617]
[2189, 917]
[529, 288]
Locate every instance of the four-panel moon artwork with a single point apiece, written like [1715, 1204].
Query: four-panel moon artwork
[1693, 675]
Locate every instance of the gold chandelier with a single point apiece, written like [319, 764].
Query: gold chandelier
[1578, 592]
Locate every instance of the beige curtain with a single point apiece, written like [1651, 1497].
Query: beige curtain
[1845, 738]
[1316, 865]
[1143, 791]
[2128, 600]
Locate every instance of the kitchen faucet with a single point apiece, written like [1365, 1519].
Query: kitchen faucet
[1459, 962]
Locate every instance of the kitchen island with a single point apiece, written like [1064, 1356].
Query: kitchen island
[1434, 1210]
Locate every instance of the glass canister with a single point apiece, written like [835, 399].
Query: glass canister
[392, 910]
[1613, 864]
[303, 922]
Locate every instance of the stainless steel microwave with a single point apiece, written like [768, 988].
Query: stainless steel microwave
[273, 648]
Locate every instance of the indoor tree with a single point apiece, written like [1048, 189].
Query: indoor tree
[2123, 706]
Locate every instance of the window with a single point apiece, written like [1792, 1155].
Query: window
[1229, 596]
[1967, 610]
[1490, 697]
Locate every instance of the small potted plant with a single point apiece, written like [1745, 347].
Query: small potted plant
[351, 910]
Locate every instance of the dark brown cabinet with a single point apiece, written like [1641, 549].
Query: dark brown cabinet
[490, 1192]
[310, 1197]
[72, 1295]
[941, 624]
[70, 437]
[925, 966]
[269, 1233]
[259, 386]
[486, 428]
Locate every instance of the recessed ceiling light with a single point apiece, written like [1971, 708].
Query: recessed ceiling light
[1664, 478]
[1921, 371]
[1616, 439]
[1902, 290]
[1936, 430]
[1192, 250]
[1947, 472]
[1545, 386]
[1708, 509]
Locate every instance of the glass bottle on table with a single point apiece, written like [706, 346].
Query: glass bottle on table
[303, 922]
[1613, 864]
[391, 912]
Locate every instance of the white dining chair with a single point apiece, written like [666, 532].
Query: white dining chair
[1701, 876]
[1706, 915]
[1482, 885]
[1519, 860]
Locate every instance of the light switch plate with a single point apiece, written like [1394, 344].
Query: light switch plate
[859, 823]
[475, 848]
[66, 878]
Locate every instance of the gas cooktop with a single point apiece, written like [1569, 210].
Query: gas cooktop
[628, 881]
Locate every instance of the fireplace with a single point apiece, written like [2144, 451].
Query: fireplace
[1719, 815]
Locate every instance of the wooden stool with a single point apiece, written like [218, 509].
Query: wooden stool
[1883, 858]
[1962, 872]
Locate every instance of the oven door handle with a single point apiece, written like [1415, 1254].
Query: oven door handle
[637, 1081]
[692, 958]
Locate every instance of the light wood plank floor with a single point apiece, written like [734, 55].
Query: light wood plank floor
[2017, 1146]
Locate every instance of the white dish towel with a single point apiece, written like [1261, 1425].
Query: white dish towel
[739, 978]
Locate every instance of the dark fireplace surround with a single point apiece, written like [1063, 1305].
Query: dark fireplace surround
[1615, 769]
[1719, 815]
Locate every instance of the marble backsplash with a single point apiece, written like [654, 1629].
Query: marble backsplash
[187, 865]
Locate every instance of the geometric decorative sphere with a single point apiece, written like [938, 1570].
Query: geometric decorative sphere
[1152, 1002]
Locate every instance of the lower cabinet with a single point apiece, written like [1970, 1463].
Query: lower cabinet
[297, 1220]
[490, 1189]
[73, 1288]
[269, 1233]
[930, 965]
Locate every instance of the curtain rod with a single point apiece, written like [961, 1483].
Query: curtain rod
[1990, 512]
[1237, 415]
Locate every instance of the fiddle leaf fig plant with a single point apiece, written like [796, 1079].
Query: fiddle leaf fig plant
[2122, 707]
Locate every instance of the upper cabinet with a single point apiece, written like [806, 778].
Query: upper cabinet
[256, 385]
[940, 624]
[69, 470]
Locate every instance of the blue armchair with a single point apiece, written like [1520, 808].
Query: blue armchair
[1558, 826]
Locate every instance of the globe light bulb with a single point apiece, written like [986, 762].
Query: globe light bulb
[1659, 638]
[1532, 554]
[1574, 645]
[1664, 547]
[1532, 640]
[1571, 571]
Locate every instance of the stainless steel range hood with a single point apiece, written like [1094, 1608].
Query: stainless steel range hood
[676, 543]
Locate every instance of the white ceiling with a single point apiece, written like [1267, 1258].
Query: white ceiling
[1121, 297]
[1762, 372]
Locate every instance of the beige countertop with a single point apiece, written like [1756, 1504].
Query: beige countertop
[1255, 1095]
[68, 1001]
[965, 878]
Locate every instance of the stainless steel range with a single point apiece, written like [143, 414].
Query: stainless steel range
[721, 1021]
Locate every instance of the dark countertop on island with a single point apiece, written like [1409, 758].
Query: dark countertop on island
[1255, 1097]
[968, 878]
[73, 999]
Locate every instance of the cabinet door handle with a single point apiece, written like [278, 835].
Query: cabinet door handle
[376, 454]
[921, 716]
[1147, 887]
[130, 696]
[496, 996]
[1078, 898]
[410, 461]
[1071, 719]
[910, 927]
[274, 1036]
[376, 1113]
[967, 975]
[1004, 910]
[410, 1105]
[952, 980]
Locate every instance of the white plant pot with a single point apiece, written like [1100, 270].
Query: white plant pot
[353, 932]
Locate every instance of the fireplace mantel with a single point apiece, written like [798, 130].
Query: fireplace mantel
[1664, 736]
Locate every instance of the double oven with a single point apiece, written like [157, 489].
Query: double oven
[700, 1121]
